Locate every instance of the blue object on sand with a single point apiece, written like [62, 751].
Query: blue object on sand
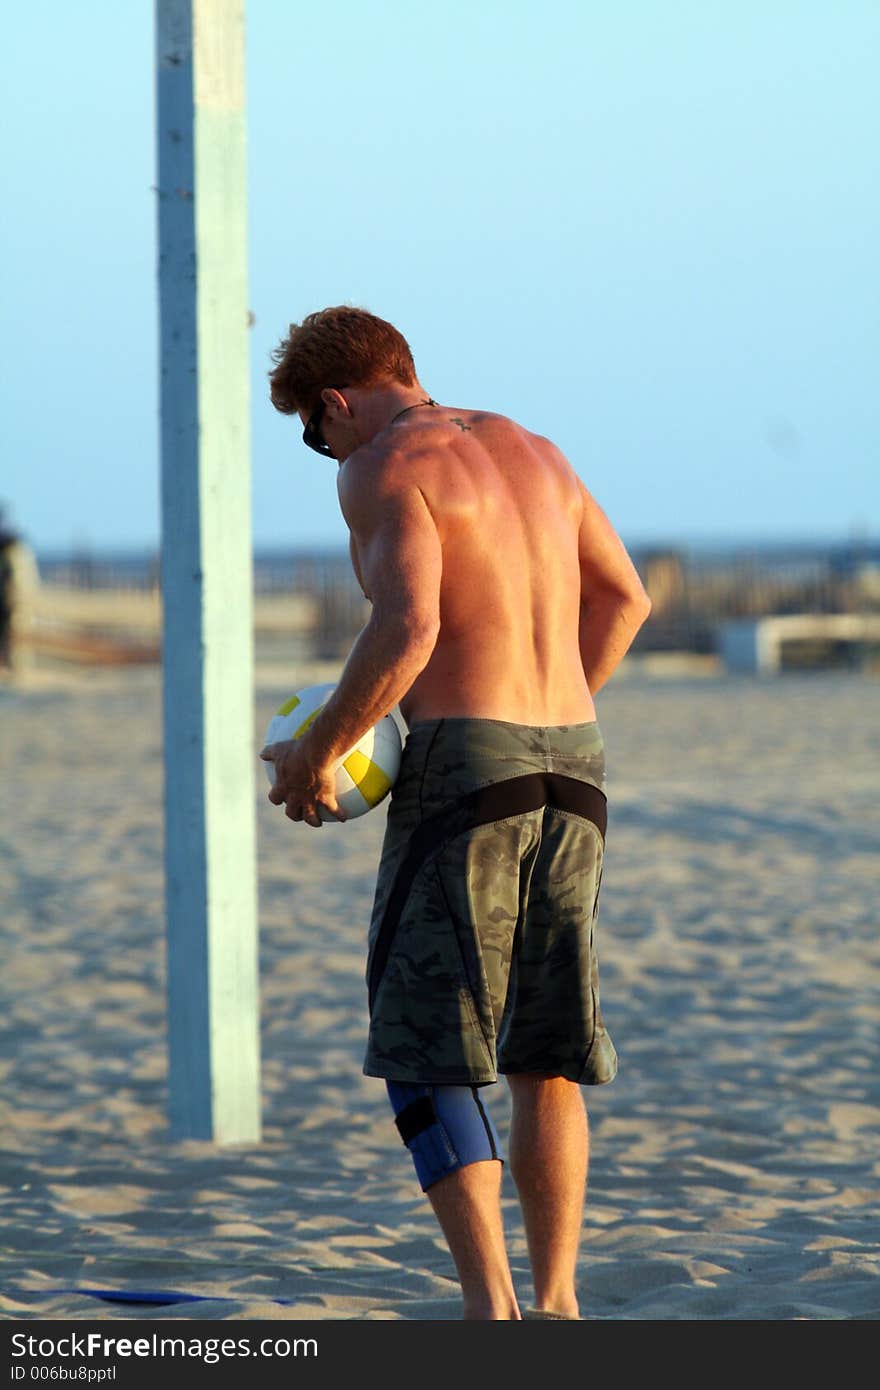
[158, 1296]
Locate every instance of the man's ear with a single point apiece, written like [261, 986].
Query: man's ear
[330, 396]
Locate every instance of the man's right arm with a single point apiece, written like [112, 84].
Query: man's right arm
[614, 604]
[397, 558]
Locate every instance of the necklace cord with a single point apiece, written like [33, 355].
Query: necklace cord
[429, 401]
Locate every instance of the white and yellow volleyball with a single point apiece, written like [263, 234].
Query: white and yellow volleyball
[366, 774]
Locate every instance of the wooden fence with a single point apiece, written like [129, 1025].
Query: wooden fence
[313, 599]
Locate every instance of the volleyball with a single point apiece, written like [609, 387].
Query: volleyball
[365, 775]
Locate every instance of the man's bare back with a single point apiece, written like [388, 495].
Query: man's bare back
[507, 510]
[514, 530]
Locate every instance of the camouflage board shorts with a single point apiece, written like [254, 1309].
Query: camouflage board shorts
[482, 953]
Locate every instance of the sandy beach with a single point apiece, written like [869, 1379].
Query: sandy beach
[735, 1169]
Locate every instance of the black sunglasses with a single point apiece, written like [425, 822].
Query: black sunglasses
[312, 433]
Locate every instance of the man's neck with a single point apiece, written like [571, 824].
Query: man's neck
[381, 407]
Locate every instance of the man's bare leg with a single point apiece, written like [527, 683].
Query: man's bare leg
[549, 1158]
[467, 1203]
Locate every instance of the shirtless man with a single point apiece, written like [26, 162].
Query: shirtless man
[502, 601]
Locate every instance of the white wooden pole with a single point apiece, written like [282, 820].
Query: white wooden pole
[207, 575]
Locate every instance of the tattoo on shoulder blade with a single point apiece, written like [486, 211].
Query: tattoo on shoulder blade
[457, 420]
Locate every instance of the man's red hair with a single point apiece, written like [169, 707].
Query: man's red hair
[337, 347]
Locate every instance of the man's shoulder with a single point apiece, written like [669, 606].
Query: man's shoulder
[388, 462]
[489, 424]
[378, 465]
[412, 459]
[380, 480]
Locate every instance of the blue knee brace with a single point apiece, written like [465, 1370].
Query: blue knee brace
[444, 1127]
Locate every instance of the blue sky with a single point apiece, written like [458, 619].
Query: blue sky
[647, 229]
